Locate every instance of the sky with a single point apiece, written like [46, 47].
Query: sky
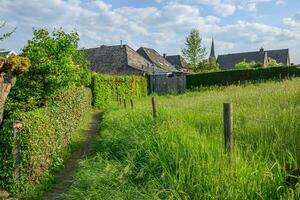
[236, 25]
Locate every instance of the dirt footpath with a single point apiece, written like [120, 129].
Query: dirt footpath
[64, 177]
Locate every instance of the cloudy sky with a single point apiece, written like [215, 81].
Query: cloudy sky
[237, 25]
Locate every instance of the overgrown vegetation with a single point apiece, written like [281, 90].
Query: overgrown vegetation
[44, 140]
[108, 89]
[240, 76]
[56, 63]
[180, 155]
[248, 65]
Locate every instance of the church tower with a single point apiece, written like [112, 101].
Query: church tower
[212, 50]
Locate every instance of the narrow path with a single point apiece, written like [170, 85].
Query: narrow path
[64, 177]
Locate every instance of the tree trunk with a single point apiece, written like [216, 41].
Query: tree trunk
[7, 81]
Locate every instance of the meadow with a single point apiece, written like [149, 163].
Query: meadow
[180, 154]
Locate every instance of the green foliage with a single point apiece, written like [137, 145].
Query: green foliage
[194, 52]
[273, 63]
[55, 64]
[44, 140]
[240, 76]
[107, 88]
[248, 65]
[180, 155]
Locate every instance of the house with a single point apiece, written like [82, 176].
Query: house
[178, 61]
[6, 54]
[156, 59]
[227, 62]
[120, 60]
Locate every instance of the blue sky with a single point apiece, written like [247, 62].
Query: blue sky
[237, 25]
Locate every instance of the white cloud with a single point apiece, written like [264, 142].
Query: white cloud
[162, 28]
[280, 2]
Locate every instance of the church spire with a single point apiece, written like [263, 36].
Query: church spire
[212, 50]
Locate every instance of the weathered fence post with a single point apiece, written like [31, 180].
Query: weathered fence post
[120, 100]
[16, 127]
[228, 127]
[131, 104]
[153, 107]
[125, 103]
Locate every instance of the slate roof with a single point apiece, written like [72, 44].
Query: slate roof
[178, 61]
[119, 60]
[155, 58]
[280, 55]
[229, 61]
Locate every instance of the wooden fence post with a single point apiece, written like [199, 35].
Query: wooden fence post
[120, 100]
[131, 104]
[228, 127]
[16, 127]
[153, 107]
[125, 103]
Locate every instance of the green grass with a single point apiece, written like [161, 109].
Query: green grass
[180, 155]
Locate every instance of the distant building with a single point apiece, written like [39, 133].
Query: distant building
[178, 61]
[229, 61]
[6, 54]
[212, 49]
[156, 59]
[120, 60]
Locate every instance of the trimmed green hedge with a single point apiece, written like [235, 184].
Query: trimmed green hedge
[45, 138]
[237, 76]
[107, 88]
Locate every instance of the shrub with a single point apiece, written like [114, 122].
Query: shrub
[44, 140]
[107, 88]
[236, 76]
[248, 65]
[56, 63]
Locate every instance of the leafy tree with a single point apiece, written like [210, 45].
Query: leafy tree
[55, 64]
[194, 52]
[274, 63]
[212, 64]
[248, 65]
[10, 68]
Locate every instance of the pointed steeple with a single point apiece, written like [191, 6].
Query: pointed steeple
[212, 50]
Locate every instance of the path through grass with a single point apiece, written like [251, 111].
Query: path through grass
[180, 155]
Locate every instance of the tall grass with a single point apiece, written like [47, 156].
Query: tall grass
[180, 155]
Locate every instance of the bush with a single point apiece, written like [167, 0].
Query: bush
[44, 139]
[107, 88]
[56, 63]
[236, 76]
[248, 65]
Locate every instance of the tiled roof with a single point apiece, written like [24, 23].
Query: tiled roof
[155, 58]
[178, 61]
[230, 60]
[119, 59]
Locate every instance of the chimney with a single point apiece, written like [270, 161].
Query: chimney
[121, 42]
[261, 50]
[164, 55]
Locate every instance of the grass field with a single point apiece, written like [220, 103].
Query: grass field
[180, 155]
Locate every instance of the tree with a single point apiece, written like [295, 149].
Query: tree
[212, 65]
[248, 65]
[10, 68]
[194, 52]
[56, 63]
[274, 63]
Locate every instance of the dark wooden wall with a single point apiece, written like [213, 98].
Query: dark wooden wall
[167, 83]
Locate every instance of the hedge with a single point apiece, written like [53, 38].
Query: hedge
[240, 76]
[44, 139]
[107, 88]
